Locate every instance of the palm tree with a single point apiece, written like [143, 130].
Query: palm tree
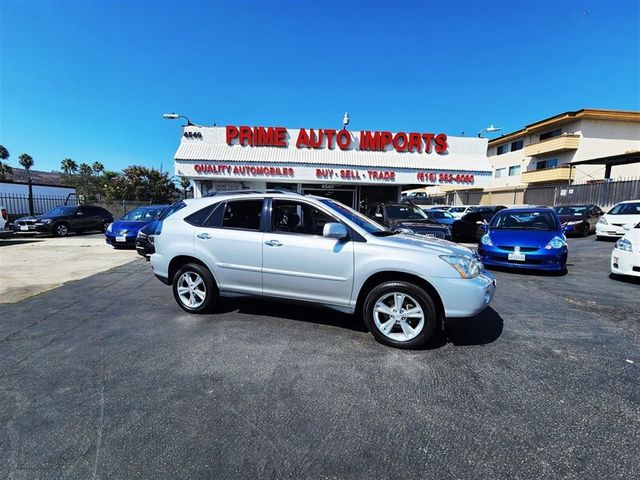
[97, 167]
[185, 184]
[69, 166]
[4, 168]
[27, 162]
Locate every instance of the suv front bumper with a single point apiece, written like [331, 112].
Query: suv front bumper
[465, 297]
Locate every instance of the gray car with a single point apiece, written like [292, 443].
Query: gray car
[314, 249]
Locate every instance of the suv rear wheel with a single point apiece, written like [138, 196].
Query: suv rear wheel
[400, 314]
[194, 288]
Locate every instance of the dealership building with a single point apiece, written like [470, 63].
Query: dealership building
[355, 167]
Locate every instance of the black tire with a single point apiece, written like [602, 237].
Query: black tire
[210, 288]
[586, 230]
[425, 302]
[60, 229]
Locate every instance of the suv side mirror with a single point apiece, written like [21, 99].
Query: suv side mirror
[335, 230]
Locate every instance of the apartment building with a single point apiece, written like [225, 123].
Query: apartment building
[572, 147]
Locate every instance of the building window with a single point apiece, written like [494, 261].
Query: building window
[503, 149]
[550, 163]
[551, 134]
[517, 145]
[514, 170]
[500, 172]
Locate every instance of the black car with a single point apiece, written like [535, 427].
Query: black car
[408, 218]
[144, 239]
[579, 219]
[470, 228]
[59, 221]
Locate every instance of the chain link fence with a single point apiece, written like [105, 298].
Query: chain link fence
[17, 205]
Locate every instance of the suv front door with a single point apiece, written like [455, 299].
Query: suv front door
[298, 262]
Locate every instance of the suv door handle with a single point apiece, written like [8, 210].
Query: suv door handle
[203, 236]
[273, 243]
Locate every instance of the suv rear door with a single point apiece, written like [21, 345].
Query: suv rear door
[298, 262]
[229, 239]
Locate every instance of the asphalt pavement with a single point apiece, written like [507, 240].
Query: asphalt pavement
[105, 377]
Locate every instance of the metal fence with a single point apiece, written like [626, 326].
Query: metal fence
[17, 205]
[602, 193]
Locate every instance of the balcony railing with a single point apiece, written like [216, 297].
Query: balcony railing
[563, 173]
[555, 144]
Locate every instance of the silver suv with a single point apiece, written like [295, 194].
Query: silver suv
[314, 249]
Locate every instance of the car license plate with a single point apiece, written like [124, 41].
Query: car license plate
[517, 257]
[24, 228]
[121, 238]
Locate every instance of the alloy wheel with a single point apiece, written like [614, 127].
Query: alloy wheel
[62, 230]
[398, 316]
[191, 290]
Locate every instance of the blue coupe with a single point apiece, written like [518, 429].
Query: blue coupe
[123, 232]
[525, 238]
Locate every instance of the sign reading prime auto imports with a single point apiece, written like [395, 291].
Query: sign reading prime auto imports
[342, 139]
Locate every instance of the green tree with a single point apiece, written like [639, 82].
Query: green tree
[69, 167]
[146, 184]
[97, 167]
[27, 162]
[5, 169]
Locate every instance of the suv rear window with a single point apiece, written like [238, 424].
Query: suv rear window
[201, 217]
[242, 214]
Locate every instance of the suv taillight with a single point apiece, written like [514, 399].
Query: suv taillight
[4, 213]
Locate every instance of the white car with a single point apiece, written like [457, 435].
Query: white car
[313, 249]
[3, 218]
[625, 258]
[460, 211]
[611, 223]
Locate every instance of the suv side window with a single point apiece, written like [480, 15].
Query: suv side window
[83, 210]
[242, 214]
[197, 219]
[298, 217]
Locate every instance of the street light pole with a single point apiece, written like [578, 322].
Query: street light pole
[175, 116]
[489, 129]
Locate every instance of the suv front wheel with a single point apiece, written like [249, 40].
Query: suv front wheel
[400, 314]
[194, 288]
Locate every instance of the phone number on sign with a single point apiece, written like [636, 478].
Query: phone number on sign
[445, 177]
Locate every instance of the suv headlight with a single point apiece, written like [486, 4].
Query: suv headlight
[404, 230]
[465, 266]
[556, 242]
[575, 222]
[603, 221]
[624, 244]
[46, 221]
[141, 234]
[486, 240]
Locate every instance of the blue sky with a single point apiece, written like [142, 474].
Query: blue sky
[90, 80]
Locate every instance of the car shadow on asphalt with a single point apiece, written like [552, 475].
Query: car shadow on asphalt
[531, 272]
[22, 241]
[481, 329]
[486, 327]
[625, 279]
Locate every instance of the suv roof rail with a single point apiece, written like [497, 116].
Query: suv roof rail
[251, 191]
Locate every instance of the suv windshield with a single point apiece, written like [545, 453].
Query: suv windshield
[359, 219]
[143, 214]
[625, 209]
[59, 211]
[568, 210]
[405, 212]
[440, 214]
[535, 220]
[457, 209]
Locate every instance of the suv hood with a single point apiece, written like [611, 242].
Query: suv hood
[420, 243]
[622, 219]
